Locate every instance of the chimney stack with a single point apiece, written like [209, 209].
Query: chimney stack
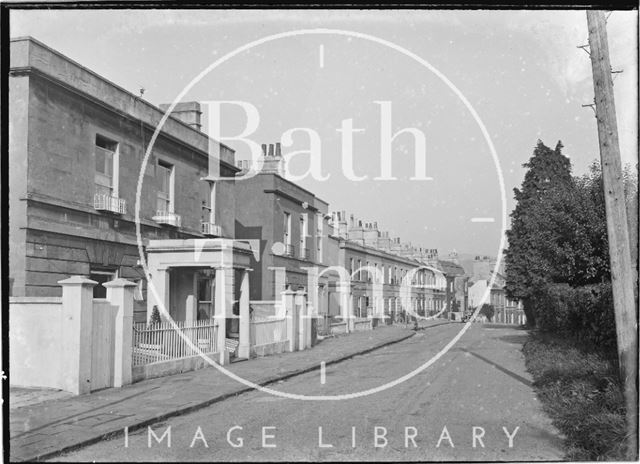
[187, 112]
[272, 159]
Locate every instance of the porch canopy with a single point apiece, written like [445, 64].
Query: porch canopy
[175, 269]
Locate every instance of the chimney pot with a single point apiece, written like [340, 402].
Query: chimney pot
[264, 149]
[278, 150]
[271, 149]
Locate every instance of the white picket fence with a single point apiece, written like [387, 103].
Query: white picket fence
[163, 342]
[268, 330]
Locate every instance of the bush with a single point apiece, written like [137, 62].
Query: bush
[155, 316]
[488, 311]
[585, 312]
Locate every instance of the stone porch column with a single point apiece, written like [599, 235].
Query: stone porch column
[244, 349]
[191, 305]
[77, 327]
[120, 294]
[223, 304]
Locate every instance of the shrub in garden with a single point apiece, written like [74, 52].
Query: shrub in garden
[155, 316]
[488, 311]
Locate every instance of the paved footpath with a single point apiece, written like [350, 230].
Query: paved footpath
[43, 430]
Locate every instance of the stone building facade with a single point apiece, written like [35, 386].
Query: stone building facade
[286, 226]
[385, 278]
[76, 146]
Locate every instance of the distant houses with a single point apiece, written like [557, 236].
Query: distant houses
[77, 145]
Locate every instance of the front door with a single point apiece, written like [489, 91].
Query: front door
[206, 296]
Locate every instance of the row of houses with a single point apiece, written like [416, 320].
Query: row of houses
[226, 254]
[77, 145]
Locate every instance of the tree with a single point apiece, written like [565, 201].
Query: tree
[488, 311]
[155, 316]
[559, 236]
[526, 267]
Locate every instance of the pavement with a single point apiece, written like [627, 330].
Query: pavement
[474, 403]
[43, 429]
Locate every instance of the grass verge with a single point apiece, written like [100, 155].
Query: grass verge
[579, 389]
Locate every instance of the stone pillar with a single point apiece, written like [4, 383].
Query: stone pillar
[308, 325]
[301, 311]
[244, 349]
[345, 305]
[191, 305]
[120, 294]
[77, 318]
[313, 289]
[223, 304]
[292, 319]
[159, 280]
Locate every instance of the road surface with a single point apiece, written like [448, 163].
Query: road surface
[474, 403]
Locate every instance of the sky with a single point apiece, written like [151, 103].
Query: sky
[521, 72]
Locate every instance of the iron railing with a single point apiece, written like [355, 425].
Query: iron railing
[111, 203]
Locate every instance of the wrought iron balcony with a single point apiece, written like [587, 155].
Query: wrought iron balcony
[210, 229]
[168, 217]
[113, 204]
[289, 250]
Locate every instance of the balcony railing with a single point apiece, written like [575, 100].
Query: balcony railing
[113, 204]
[245, 165]
[289, 250]
[211, 229]
[168, 217]
[304, 253]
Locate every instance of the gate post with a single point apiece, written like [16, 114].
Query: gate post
[120, 294]
[308, 327]
[244, 332]
[291, 315]
[301, 310]
[77, 318]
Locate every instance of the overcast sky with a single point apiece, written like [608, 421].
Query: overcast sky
[520, 70]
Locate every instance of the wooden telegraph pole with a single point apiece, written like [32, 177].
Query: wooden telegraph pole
[619, 253]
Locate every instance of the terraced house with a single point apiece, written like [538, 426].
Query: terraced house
[77, 144]
[378, 266]
[286, 225]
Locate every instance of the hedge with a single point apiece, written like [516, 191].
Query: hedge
[586, 312]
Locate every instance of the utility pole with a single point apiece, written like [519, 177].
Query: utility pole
[619, 253]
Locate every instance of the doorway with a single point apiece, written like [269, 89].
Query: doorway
[206, 295]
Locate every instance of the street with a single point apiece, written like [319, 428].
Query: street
[475, 403]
